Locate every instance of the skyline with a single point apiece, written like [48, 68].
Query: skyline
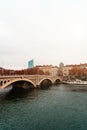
[48, 31]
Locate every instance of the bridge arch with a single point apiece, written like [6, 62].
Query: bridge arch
[45, 83]
[11, 82]
[57, 81]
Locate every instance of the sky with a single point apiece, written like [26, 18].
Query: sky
[48, 31]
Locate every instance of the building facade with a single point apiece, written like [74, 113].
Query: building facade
[31, 63]
[49, 70]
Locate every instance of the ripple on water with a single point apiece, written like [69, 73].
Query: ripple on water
[57, 108]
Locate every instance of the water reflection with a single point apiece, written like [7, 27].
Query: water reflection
[22, 94]
[16, 94]
[75, 88]
[5, 91]
[56, 108]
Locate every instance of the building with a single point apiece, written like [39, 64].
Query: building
[67, 68]
[49, 69]
[83, 65]
[1, 70]
[60, 69]
[54, 71]
[31, 63]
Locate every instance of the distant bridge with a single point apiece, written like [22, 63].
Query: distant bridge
[27, 80]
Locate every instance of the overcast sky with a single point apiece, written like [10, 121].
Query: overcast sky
[49, 31]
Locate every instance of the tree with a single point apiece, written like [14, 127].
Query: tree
[78, 72]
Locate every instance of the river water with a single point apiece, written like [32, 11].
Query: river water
[57, 108]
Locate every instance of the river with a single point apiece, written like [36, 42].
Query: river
[57, 108]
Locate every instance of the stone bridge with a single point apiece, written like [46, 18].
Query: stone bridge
[32, 80]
